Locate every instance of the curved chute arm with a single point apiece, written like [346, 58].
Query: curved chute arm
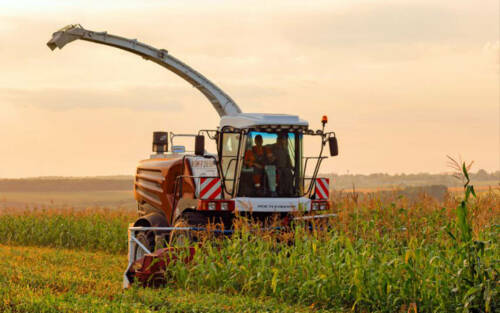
[222, 103]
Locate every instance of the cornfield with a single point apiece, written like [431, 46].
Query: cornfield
[380, 254]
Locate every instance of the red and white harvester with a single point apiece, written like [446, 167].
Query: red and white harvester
[259, 169]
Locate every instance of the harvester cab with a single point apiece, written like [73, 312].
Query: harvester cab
[262, 163]
[258, 169]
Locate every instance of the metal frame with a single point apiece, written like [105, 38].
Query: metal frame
[133, 243]
[239, 159]
[304, 178]
[173, 135]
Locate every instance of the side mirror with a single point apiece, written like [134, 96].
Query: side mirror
[199, 145]
[160, 142]
[334, 147]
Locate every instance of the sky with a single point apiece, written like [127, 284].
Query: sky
[404, 83]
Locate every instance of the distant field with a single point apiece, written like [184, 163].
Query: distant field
[67, 184]
[115, 199]
[84, 195]
[381, 180]
[116, 191]
[479, 188]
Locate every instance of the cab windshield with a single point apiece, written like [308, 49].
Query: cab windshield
[271, 165]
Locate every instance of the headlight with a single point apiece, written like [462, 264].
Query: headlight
[224, 206]
[212, 206]
[315, 206]
[323, 206]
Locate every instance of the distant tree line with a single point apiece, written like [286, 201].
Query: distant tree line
[383, 180]
[377, 180]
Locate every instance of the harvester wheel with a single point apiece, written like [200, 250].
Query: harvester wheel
[181, 238]
[185, 237]
[148, 240]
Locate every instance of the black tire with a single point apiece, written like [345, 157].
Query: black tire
[148, 240]
[181, 238]
[186, 237]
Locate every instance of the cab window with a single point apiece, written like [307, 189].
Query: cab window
[229, 154]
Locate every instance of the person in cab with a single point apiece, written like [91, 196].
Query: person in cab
[281, 158]
[257, 159]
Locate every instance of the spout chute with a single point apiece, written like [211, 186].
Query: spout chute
[222, 103]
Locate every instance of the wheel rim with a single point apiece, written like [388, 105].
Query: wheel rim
[146, 242]
[180, 238]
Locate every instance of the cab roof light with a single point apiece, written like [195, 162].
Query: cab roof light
[324, 119]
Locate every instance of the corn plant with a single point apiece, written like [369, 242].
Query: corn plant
[476, 278]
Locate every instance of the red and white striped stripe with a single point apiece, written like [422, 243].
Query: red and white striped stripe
[210, 188]
[322, 188]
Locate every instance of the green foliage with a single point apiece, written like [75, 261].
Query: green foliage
[335, 272]
[475, 279]
[376, 257]
[54, 280]
[372, 269]
[93, 231]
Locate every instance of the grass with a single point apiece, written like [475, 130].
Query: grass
[92, 230]
[381, 255]
[61, 280]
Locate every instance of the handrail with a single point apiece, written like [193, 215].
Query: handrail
[320, 160]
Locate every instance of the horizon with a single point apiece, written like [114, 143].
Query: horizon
[332, 173]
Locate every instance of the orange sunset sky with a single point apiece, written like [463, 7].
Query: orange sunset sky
[404, 83]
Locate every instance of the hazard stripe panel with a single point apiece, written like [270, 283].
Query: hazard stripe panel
[210, 188]
[322, 188]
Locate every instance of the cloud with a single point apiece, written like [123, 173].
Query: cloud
[384, 71]
[137, 98]
[491, 47]
[388, 23]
